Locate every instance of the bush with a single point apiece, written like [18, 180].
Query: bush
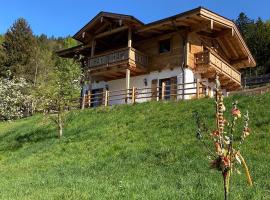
[14, 101]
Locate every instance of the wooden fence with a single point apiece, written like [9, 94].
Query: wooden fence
[256, 81]
[252, 91]
[136, 95]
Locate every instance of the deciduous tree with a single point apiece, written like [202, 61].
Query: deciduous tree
[57, 94]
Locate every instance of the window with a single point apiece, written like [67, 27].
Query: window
[164, 46]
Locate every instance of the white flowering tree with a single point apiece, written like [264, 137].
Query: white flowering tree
[14, 100]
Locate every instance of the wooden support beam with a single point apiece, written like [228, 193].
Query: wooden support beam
[212, 24]
[163, 88]
[224, 32]
[197, 88]
[106, 98]
[116, 30]
[232, 62]
[231, 47]
[221, 43]
[127, 84]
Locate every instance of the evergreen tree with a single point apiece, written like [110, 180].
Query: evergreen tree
[257, 36]
[20, 47]
[244, 24]
[2, 57]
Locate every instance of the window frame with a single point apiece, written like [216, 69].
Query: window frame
[162, 40]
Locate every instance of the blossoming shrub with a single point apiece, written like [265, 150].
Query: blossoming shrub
[13, 98]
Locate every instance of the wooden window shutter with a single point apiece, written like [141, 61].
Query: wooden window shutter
[173, 88]
[154, 89]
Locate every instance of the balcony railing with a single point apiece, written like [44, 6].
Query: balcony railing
[211, 58]
[121, 55]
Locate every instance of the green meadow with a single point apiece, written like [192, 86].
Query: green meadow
[142, 151]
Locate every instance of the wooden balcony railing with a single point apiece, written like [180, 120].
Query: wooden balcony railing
[121, 55]
[211, 58]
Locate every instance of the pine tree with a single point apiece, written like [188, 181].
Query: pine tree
[19, 48]
[243, 22]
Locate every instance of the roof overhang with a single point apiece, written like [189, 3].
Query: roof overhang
[73, 51]
[212, 25]
[199, 20]
[101, 20]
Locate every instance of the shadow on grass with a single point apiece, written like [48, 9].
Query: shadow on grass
[14, 140]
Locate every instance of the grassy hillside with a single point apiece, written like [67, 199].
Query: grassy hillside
[146, 151]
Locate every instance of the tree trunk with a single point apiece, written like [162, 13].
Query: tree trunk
[60, 126]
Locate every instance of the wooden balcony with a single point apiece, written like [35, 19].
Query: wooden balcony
[127, 56]
[208, 63]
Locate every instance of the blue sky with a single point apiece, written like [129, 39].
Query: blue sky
[65, 17]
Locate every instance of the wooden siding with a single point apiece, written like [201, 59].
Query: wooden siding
[158, 61]
[208, 59]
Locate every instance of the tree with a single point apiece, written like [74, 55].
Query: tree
[13, 98]
[2, 58]
[57, 94]
[20, 47]
[257, 36]
[244, 23]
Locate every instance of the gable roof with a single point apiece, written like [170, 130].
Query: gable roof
[100, 16]
[197, 17]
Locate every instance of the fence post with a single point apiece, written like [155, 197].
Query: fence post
[158, 95]
[89, 98]
[197, 88]
[209, 91]
[83, 101]
[163, 90]
[133, 95]
[106, 97]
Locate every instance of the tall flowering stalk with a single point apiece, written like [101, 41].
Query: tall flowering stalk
[226, 155]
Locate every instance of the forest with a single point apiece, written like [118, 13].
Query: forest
[34, 79]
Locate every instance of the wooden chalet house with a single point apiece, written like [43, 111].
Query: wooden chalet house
[177, 57]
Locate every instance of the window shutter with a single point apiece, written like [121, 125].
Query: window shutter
[173, 88]
[154, 89]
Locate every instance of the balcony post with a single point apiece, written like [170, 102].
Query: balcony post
[106, 103]
[127, 84]
[163, 88]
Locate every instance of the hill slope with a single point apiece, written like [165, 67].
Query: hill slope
[146, 151]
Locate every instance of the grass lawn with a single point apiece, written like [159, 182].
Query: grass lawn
[146, 151]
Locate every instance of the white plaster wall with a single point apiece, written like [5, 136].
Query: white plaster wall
[189, 83]
[138, 82]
